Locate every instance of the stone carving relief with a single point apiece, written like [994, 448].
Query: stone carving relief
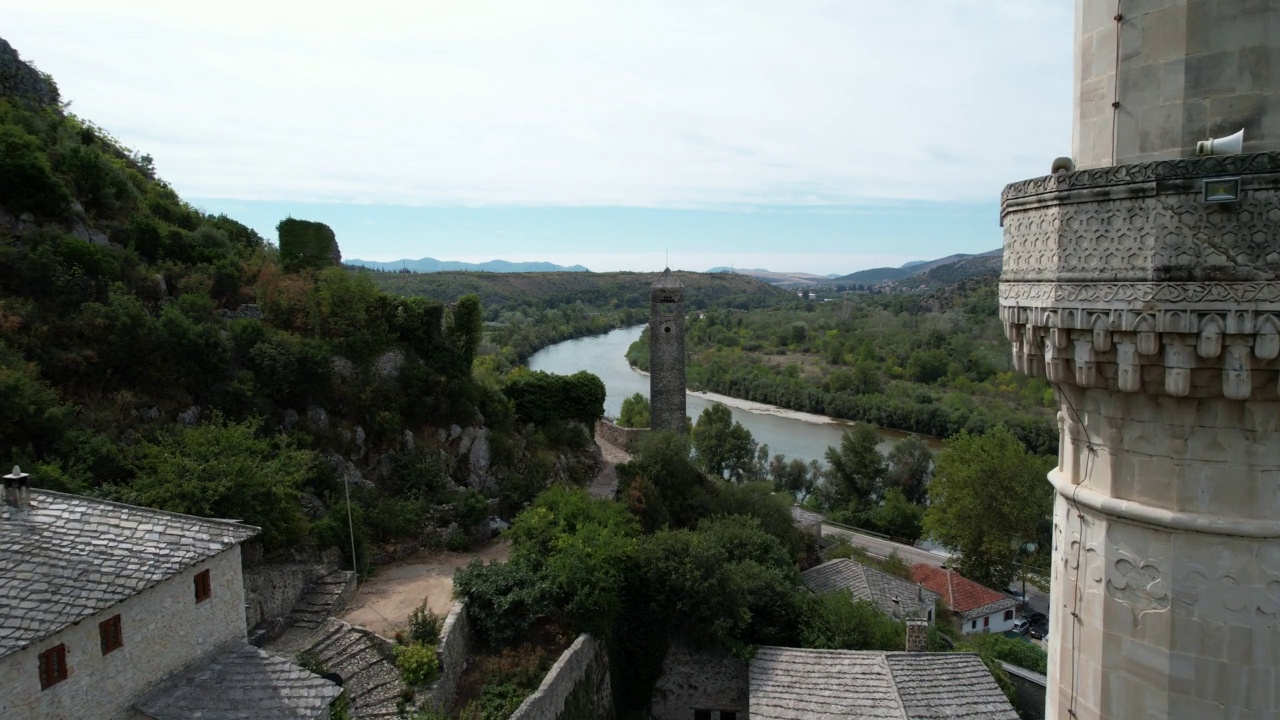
[1138, 585]
[1181, 168]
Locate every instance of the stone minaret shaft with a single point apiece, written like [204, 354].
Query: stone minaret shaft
[666, 354]
[1156, 317]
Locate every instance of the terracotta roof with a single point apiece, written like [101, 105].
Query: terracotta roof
[65, 557]
[795, 684]
[868, 583]
[962, 595]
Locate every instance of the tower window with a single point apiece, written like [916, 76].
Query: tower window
[666, 328]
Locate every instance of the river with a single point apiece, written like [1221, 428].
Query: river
[791, 433]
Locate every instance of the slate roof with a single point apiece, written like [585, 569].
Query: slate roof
[796, 684]
[868, 583]
[65, 557]
[962, 595]
[243, 683]
[805, 518]
[667, 280]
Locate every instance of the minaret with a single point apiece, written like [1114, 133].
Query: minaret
[1144, 287]
[666, 354]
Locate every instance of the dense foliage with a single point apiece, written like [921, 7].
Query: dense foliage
[932, 365]
[305, 244]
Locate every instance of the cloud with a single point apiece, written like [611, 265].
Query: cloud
[669, 103]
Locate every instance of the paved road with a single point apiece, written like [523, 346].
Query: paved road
[881, 548]
[1036, 600]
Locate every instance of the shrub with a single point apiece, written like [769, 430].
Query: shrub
[27, 181]
[424, 625]
[418, 664]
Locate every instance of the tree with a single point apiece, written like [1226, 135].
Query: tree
[635, 412]
[835, 621]
[305, 244]
[910, 463]
[224, 470]
[723, 446]
[987, 499]
[466, 326]
[895, 516]
[857, 467]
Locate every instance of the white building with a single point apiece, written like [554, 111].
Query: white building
[978, 609]
[105, 605]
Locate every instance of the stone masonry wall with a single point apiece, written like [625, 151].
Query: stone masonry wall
[21, 81]
[271, 591]
[1029, 691]
[700, 680]
[455, 642]
[617, 436]
[576, 688]
[164, 630]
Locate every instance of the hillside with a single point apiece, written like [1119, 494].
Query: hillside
[430, 265]
[883, 275]
[787, 279]
[612, 289]
[980, 267]
[157, 355]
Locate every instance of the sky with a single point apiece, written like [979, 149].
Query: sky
[809, 136]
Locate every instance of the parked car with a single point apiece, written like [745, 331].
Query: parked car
[1016, 595]
[1021, 626]
[1039, 635]
[1037, 618]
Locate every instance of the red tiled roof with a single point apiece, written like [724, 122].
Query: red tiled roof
[960, 594]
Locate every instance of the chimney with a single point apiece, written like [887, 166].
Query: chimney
[17, 491]
[917, 635]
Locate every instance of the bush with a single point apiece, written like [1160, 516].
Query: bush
[503, 599]
[27, 181]
[418, 664]
[424, 625]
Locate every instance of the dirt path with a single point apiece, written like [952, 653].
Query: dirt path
[605, 484]
[385, 601]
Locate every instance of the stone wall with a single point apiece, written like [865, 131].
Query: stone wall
[576, 688]
[271, 591]
[164, 630]
[455, 642]
[1188, 70]
[617, 436]
[20, 81]
[1030, 691]
[700, 680]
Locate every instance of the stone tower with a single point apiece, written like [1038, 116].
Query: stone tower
[666, 354]
[1155, 313]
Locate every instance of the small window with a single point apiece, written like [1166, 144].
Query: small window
[1008, 615]
[930, 616]
[53, 666]
[974, 626]
[728, 715]
[701, 715]
[203, 590]
[986, 621]
[109, 634]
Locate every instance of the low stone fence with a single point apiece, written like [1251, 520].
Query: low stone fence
[618, 436]
[1029, 687]
[455, 642]
[576, 688]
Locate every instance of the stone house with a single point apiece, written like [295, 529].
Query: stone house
[978, 609]
[808, 521]
[899, 599]
[114, 611]
[798, 684]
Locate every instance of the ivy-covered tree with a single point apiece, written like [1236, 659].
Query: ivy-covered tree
[306, 244]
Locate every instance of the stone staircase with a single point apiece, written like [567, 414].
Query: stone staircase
[365, 662]
[326, 596]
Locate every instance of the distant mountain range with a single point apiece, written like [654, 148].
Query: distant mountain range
[775, 278]
[917, 267]
[427, 265]
[965, 266]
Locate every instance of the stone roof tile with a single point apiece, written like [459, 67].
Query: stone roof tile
[868, 583]
[66, 557]
[242, 683]
[791, 683]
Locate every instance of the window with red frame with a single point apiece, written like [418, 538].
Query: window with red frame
[203, 589]
[53, 666]
[110, 635]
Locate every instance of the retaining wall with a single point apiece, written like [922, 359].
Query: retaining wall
[455, 642]
[1030, 688]
[576, 688]
[617, 436]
